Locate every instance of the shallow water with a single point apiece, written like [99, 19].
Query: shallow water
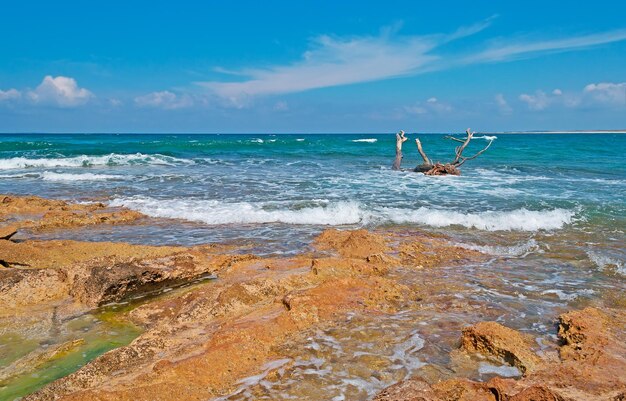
[549, 209]
[96, 332]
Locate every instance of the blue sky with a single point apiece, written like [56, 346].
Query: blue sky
[311, 66]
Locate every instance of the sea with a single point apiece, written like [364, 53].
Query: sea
[548, 209]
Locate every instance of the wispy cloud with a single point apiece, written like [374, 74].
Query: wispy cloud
[430, 106]
[503, 105]
[604, 94]
[334, 61]
[537, 101]
[507, 49]
[607, 93]
[9, 94]
[164, 100]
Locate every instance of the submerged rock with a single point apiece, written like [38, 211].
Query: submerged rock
[200, 343]
[493, 339]
[592, 364]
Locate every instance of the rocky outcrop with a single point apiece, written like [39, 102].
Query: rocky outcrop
[352, 244]
[6, 232]
[35, 213]
[199, 344]
[493, 339]
[591, 365]
[584, 334]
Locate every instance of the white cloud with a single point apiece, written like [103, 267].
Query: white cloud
[334, 61]
[164, 100]
[430, 106]
[503, 105]
[607, 93]
[281, 106]
[538, 101]
[9, 94]
[60, 91]
[506, 49]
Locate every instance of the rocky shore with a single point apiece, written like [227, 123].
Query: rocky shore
[198, 344]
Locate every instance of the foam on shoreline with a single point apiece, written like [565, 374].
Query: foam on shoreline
[112, 159]
[214, 212]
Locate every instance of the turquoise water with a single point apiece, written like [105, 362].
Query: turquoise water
[550, 210]
[282, 189]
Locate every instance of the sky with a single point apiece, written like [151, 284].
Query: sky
[311, 66]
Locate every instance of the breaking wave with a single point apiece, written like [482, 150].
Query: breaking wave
[515, 220]
[86, 161]
[213, 212]
[368, 140]
[52, 176]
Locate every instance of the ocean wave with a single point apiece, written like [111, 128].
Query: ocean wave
[486, 137]
[52, 176]
[368, 140]
[213, 212]
[515, 220]
[112, 159]
[25, 175]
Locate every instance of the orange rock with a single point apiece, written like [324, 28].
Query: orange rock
[584, 334]
[351, 244]
[491, 338]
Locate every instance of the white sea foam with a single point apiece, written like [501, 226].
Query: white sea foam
[300, 140]
[368, 140]
[605, 262]
[52, 176]
[504, 370]
[520, 249]
[112, 159]
[515, 220]
[486, 137]
[214, 212]
[564, 296]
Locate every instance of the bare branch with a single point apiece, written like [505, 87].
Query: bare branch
[421, 152]
[400, 139]
[453, 138]
[464, 159]
[460, 149]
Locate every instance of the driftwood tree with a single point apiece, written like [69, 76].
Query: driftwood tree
[430, 168]
[400, 139]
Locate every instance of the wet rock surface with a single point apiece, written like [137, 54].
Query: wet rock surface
[591, 364]
[216, 338]
[493, 339]
[36, 214]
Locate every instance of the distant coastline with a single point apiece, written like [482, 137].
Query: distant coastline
[618, 131]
